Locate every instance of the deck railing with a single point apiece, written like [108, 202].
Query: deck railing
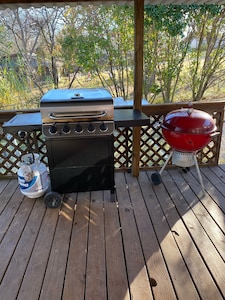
[153, 151]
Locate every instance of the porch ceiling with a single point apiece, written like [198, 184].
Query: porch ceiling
[38, 3]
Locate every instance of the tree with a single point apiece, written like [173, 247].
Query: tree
[5, 42]
[48, 22]
[21, 27]
[33, 29]
[101, 41]
[173, 27]
[166, 25]
[206, 60]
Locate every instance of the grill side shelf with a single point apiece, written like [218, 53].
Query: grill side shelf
[27, 122]
[130, 118]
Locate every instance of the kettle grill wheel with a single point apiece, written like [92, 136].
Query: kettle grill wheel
[156, 178]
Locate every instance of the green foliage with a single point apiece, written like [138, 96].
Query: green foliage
[15, 91]
[103, 46]
[99, 40]
[206, 61]
[175, 18]
[172, 28]
[5, 43]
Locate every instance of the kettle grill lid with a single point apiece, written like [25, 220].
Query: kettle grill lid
[189, 120]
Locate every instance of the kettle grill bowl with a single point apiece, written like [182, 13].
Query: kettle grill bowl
[186, 142]
[188, 130]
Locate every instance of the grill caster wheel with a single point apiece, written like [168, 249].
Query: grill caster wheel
[52, 200]
[156, 178]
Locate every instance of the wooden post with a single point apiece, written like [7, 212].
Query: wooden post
[138, 79]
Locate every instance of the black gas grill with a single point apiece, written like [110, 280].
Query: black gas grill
[78, 126]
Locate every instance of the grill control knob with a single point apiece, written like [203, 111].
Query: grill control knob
[78, 128]
[103, 127]
[53, 129]
[66, 129]
[91, 128]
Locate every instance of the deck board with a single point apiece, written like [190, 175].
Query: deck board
[153, 252]
[137, 273]
[35, 272]
[18, 263]
[75, 276]
[56, 266]
[96, 267]
[189, 227]
[117, 281]
[183, 283]
[154, 242]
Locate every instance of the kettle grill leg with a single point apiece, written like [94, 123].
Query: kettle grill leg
[156, 177]
[166, 162]
[199, 174]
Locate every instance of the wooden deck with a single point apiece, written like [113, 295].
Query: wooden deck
[155, 242]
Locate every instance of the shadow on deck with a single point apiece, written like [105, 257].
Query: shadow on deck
[154, 242]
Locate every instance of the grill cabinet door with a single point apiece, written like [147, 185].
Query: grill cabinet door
[81, 164]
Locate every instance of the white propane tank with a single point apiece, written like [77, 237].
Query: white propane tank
[33, 176]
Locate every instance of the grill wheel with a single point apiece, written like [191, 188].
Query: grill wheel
[52, 200]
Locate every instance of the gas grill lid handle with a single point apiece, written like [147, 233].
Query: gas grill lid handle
[77, 115]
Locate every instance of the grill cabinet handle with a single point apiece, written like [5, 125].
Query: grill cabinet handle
[77, 115]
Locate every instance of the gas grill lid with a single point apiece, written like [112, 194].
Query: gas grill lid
[73, 97]
[74, 105]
